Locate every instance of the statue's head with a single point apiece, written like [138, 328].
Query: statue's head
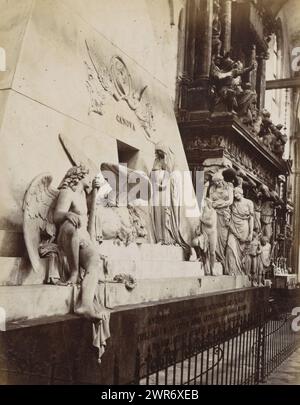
[266, 114]
[74, 176]
[264, 240]
[228, 64]
[230, 175]
[163, 151]
[238, 65]
[247, 86]
[264, 190]
[217, 60]
[217, 178]
[238, 193]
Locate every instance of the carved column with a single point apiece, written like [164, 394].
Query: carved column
[253, 72]
[261, 79]
[198, 91]
[204, 39]
[227, 26]
[190, 23]
[186, 50]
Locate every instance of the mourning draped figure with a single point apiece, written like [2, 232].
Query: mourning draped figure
[221, 196]
[240, 233]
[166, 199]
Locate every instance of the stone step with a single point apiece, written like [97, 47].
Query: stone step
[145, 251]
[149, 269]
[35, 301]
[162, 289]
[18, 271]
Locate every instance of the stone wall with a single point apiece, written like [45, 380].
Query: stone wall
[52, 354]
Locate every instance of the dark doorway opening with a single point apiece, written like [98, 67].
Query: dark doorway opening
[127, 154]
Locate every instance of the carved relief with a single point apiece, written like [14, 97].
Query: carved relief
[209, 142]
[97, 95]
[116, 81]
[216, 29]
[270, 135]
[234, 151]
[228, 90]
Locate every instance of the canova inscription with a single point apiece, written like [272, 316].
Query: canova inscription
[125, 122]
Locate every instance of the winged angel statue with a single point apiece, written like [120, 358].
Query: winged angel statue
[67, 224]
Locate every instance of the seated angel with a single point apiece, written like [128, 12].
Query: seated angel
[61, 216]
[67, 224]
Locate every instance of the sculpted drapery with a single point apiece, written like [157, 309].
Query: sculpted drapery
[240, 233]
[221, 195]
[166, 199]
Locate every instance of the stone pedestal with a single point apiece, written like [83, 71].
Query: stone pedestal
[58, 349]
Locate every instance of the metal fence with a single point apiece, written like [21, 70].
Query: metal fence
[242, 352]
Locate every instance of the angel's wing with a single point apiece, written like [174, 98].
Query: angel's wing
[38, 225]
[134, 183]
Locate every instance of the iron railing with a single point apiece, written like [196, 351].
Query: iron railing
[242, 352]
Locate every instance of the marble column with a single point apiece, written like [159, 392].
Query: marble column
[227, 26]
[252, 76]
[198, 98]
[261, 79]
[186, 54]
[190, 39]
[204, 39]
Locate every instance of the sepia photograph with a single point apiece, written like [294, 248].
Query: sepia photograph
[150, 195]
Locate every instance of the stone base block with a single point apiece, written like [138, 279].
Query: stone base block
[15, 271]
[31, 302]
[149, 269]
[35, 301]
[139, 252]
[58, 349]
[162, 289]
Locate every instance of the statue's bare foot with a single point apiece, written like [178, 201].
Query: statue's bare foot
[90, 313]
[62, 283]
[74, 278]
[86, 311]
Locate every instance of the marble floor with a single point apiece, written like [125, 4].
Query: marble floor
[288, 373]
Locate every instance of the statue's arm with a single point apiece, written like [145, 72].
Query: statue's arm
[259, 249]
[224, 75]
[248, 69]
[89, 198]
[221, 204]
[224, 203]
[219, 75]
[251, 220]
[62, 207]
